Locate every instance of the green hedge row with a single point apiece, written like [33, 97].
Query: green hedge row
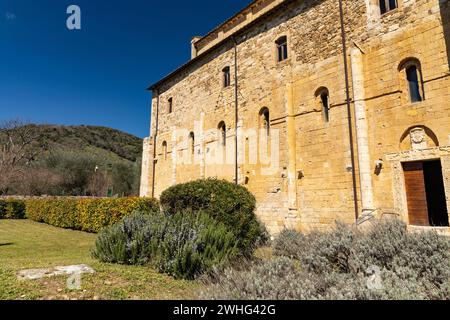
[86, 214]
[12, 209]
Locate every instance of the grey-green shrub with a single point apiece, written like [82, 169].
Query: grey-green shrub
[269, 280]
[183, 245]
[129, 241]
[336, 265]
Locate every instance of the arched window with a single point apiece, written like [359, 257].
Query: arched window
[170, 105]
[413, 76]
[192, 143]
[222, 133]
[323, 95]
[264, 120]
[226, 77]
[164, 150]
[282, 48]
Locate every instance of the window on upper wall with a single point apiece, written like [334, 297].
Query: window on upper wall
[387, 5]
[164, 150]
[226, 77]
[282, 48]
[192, 142]
[170, 105]
[223, 133]
[413, 83]
[323, 96]
[413, 75]
[264, 116]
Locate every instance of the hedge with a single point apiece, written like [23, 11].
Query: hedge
[12, 209]
[86, 214]
[228, 203]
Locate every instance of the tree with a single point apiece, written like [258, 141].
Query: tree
[19, 147]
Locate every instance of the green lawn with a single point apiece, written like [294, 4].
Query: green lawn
[25, 244]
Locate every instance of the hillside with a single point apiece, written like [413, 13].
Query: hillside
[122, 144]
[78, 161]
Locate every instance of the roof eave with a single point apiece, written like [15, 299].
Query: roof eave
[218, 44]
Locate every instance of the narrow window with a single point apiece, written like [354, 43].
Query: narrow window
[223, 133]
[164, 150]
[170, 105]
[282, 49]
[325, 106]
[387, 5]
[265, 120]
[323, 96]
[413, 83]
[226, 77]
[192, 143]
[413, 75]
[264, 132]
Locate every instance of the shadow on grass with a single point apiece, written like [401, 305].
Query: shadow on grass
[6, 244]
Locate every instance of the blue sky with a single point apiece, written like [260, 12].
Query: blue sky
[96, 75]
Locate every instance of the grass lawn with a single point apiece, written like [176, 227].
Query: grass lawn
[25, 244]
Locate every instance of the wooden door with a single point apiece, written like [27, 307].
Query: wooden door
[416, 193]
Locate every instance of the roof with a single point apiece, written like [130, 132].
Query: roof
[195, 59]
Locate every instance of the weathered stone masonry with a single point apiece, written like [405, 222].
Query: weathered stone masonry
[311, 186]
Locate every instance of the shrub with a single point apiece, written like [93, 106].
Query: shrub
[194, 244]
[270, 280]
[2, 209]
[289, 243]
[12, 209]
[387, 262]
[58, 212]
[90, 214]
[231, 204]
[129, 241]
[93, 214]
[182, 245]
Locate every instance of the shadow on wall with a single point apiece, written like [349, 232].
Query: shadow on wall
[445, 14]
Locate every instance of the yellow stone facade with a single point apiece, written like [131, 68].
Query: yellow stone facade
[308, 182]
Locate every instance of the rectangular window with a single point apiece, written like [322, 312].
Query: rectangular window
[387, 5]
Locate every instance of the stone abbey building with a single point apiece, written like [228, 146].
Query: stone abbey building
[324, 109]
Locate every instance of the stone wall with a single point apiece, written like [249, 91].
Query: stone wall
[308, 185]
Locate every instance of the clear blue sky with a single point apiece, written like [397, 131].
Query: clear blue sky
[97, 75]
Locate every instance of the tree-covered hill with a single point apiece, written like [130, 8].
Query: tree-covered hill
[122, 144]
[68, 160]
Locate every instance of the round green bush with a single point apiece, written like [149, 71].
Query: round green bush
[226, 202]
